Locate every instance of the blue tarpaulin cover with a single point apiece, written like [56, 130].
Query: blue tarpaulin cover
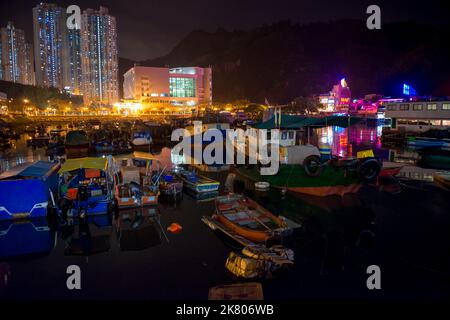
[19, 196]
[25, 186]
[38, 169]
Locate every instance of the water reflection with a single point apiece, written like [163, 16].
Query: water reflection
[26, 238]
[138, 229]
[348, 141]
[336, 237]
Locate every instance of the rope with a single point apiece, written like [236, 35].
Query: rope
[289, 176]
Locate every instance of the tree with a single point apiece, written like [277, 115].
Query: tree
[304, 105]
[255, 110]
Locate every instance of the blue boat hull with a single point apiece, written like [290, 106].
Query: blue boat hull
[24, 198]
[422, 143]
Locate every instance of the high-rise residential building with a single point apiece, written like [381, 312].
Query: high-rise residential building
[1, 64]
[29, 65]
[56, 49]
[14, 55]
[183, 86]
[49, 32]
[73, 75]
[99, 57]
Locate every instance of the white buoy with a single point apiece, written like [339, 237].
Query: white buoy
[262, 186]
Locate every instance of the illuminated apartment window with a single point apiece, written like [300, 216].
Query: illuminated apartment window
[446, 106]
[417, 107]
[182, 87]
[432, 106]
[404, 107]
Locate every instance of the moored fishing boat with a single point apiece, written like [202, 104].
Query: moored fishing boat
[135, 184]
[303, 168]
[85, 187]
[426, 142]
[56, 144]
[103, 146]
[435, 158]
[77, 144]
[197, 183]
[141, 140]
[28, 190]
[248, 219]
[170, 184]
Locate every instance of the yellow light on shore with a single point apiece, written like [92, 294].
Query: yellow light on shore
[26, 100]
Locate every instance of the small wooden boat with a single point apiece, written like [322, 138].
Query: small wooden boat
[247, 218]
[197, 183]
[170, 185]
[442, 179]
[238, 291]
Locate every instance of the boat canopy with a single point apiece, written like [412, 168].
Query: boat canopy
[84, 163]
[297, 122]
[139, 155]
[39, 169]
[76, 137]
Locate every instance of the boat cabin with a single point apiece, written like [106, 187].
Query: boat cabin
[87, 183]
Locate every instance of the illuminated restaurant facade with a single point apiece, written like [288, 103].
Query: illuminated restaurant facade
[338, 99]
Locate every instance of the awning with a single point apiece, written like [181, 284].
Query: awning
[84, 163]
[139, 155]
[297, 122]
[37, 169]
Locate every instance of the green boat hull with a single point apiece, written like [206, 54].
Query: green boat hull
[332, 181]
[437, 161]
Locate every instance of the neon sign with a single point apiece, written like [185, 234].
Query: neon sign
[408, 90]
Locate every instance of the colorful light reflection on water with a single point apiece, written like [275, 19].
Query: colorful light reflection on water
[347, 141]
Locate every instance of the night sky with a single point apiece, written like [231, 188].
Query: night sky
[150, 28]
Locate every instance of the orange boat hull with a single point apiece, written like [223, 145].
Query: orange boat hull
[328, 190]
[252, 235]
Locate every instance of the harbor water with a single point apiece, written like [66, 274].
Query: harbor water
[402, 228]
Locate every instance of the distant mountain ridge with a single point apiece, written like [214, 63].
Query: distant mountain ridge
[284, 60]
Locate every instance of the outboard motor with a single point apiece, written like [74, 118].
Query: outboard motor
[65, 205]
[83, 193]
[137, 192]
